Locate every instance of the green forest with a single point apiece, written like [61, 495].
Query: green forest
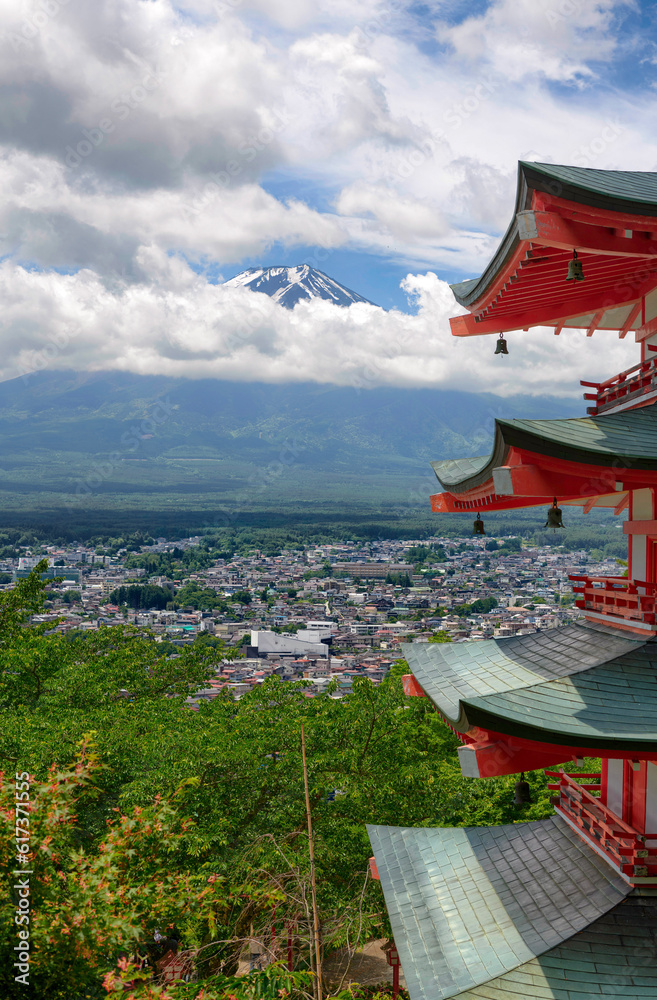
[149, 819]
[597, 532]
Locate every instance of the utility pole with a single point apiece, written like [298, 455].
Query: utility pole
[311, 847]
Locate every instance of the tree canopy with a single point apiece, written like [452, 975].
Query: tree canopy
[157, 814]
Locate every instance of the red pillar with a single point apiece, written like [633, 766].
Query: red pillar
[395, 981]
[639, 791]
[635, 775]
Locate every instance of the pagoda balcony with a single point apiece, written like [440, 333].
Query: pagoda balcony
[635, 385]
[617, 597]
[634, 854]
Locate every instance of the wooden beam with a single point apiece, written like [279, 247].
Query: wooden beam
[540, 288]
[447, 503]
[594, 322]
[572, 304]
[597, 264]
[625, 502]
[411, 687]
[540, 276]
[506, 755]
[627, 325]
[640, 528]
[593, 215]
[553, 230]
[646, 329]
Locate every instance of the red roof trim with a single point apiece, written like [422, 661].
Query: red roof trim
[531, 289]
[536, 479]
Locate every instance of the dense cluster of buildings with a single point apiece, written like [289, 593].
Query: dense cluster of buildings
[331, 612]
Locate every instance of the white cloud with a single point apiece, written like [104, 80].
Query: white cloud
[190, 93]
[338, 84]
[406, 218]
[525, 38]
[176, 323]
[47, 219]
[131, 131]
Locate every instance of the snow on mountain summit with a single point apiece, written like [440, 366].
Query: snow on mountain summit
[287, 285]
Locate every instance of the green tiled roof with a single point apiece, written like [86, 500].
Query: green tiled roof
[637, 186]
[468, 906]
[628, 439]
[613, 958]
[584, 685]
[462, 288]
[616, 190]
[455, 470]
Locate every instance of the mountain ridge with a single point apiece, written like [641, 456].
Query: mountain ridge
[112, 447]
[422, 424]
[289, 285]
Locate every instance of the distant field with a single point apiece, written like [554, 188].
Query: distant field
[110, 452]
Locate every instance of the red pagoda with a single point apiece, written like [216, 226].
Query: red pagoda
[564, 908]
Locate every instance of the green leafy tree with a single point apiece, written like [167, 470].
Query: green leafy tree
[136, 596]
[223, 784]
[193, 595]
[94, 913]
[440, 636]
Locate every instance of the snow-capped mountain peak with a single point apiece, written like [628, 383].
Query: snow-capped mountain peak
[287, 285]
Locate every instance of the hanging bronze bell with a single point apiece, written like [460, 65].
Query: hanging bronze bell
[575, 269]
[554, 517]
[478, 526]
[522, 794]
[501, 347]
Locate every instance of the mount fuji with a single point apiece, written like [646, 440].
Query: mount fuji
[288, 285]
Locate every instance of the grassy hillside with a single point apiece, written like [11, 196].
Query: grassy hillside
[149, 449]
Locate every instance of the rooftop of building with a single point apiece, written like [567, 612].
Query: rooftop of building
[585, 685]
[487, 912]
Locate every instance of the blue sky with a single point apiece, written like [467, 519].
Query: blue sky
[156, 149]
[608, 76]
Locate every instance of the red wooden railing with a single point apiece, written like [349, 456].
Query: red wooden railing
[593, 779]
[625, 387]
[634, 600]
[631, 852]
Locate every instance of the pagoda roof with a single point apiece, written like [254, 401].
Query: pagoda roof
[608, 216]
[583, 685]
[476, 906]
[608, 959]
[625, 442]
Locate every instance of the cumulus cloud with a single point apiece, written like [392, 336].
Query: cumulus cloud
[403, 216]
[138, 135]
[44, 218]
[177, 323]
[553, 38]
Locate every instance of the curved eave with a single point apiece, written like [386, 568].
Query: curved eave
[615, 191]
[624, 441]
[599, 962]
[563, 730]
[469, 905]
[582, 685]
